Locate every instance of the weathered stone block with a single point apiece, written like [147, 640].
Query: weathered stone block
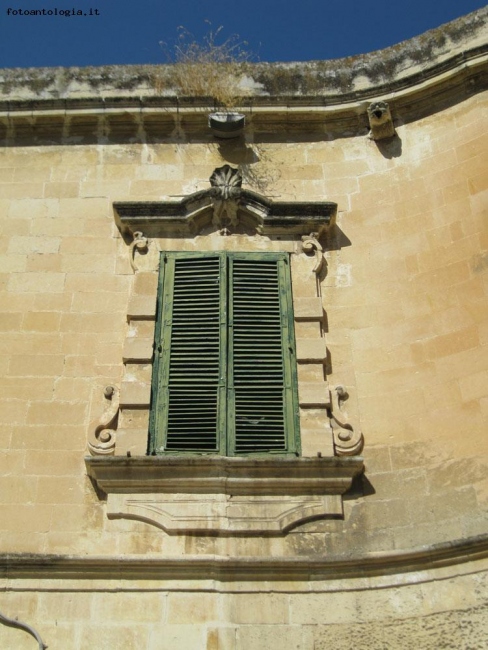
[311, 349]
[145, 284]
[142, 307]
[131, 441]
[134, 394]
[314, 394]
[308, 308]
[317, 442]
[138, 350]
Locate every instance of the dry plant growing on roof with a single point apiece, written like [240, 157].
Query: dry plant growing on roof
[208, 68]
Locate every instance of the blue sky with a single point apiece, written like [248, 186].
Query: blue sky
[126, 32]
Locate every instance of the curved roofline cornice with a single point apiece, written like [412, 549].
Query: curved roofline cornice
[417, 77]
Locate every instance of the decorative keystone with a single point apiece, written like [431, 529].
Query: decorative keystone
[226, 185]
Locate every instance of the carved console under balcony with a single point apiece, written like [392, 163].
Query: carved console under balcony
[224, 495]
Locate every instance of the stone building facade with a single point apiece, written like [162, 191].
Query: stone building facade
[367, 178]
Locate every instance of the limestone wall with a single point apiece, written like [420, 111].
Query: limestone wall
[449, 612]
[405, 297]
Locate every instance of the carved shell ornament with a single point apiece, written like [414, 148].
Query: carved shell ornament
[226, 182]
[226, 185]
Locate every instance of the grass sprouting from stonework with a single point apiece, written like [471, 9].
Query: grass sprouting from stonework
[207, 68]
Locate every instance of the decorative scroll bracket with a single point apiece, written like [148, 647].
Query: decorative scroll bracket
[347, 440]
[139, 244]
[312, 246]
[102, 440]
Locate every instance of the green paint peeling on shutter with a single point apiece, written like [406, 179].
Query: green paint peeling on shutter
[225, 369]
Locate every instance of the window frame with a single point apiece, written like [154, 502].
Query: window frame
[226, 434]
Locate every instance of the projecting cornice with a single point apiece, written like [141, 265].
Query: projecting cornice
[226, 206]
[121, 103]
[418, 562]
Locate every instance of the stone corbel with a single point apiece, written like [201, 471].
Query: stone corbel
[347, 440]
[380, 121]
[311, 246]
[103, 431]
[224, 495]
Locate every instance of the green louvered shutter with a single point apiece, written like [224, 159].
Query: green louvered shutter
[191, 392]
[262, 402]
[225, 369]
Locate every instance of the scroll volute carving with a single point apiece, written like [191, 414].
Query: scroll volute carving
[143, 253]
[348, 440]
[103, 431]
[311, 246]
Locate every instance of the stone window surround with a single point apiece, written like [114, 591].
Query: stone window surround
[220, 494]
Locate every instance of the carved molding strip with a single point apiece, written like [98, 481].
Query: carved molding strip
[225, 514]
[223, 475]
[103, 431]
[425, 559]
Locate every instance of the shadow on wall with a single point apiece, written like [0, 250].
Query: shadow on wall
[360, 487]
[335, 239]
[390, 147]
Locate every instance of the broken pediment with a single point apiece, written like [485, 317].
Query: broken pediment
[226, 206]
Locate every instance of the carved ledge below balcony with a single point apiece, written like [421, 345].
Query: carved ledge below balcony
[221, 495]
